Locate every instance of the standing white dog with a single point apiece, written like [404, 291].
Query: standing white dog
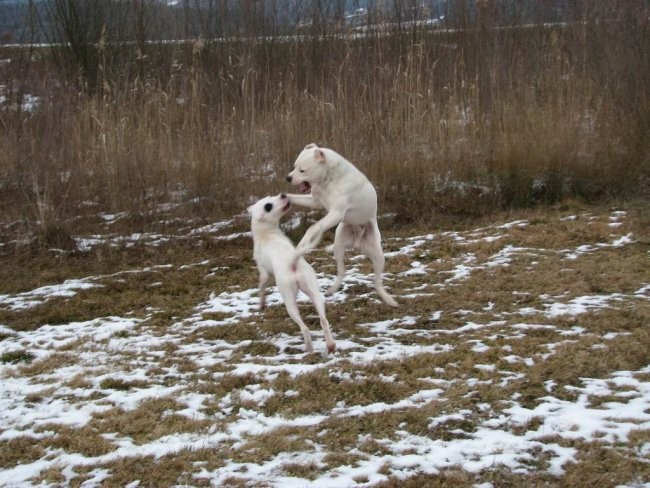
[274, 253]
[351, 203]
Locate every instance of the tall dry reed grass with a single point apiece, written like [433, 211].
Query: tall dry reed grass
[459, 122]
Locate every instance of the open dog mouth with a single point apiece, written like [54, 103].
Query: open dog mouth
[287, 206]
[304, 187]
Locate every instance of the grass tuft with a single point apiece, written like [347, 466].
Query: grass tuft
[17, 356]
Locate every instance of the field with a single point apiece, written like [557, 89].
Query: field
[512, 164]
[465, 122]
[518, 357]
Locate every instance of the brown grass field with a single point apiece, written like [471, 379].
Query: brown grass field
[463, 122]
[513, 172]
[163, 371]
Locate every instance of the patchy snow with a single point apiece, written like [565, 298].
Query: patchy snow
[580, 305]
[40, 295]
[417, 268]
[608, 422]
[125, 350]
[213, 231]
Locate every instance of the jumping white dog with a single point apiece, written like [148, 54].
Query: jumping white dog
[351, 203]
[274, 254]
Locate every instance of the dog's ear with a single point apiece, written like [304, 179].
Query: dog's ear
[319, 155]
[252, 200]
[310, 146]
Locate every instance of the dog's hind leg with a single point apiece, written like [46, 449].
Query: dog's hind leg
[264, 277]
[343, 239]
[310, 287]
[288, 292]
[370, 245]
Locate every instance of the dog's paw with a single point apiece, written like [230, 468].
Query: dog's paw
[330, 291]
[390, 301]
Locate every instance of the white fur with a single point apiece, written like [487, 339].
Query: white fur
[274, 254]
[351, 203]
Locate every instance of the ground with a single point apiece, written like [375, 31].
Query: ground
[518, 356]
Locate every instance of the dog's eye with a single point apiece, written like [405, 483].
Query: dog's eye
[302, 170]
[268, 207]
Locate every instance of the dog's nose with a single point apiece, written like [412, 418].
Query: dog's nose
[283, 196]
[289, 178]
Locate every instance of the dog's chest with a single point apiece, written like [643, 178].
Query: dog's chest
[327, 198]
[271, 251]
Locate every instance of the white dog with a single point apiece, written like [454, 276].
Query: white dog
[351, 203]
[274, 253]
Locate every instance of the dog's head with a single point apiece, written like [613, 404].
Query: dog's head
[309, 168]
[270, 209]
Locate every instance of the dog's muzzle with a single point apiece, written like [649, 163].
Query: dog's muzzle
[287, 207]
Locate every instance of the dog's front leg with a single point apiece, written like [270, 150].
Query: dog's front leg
[315, 233]
[304, 200]
[264, 278]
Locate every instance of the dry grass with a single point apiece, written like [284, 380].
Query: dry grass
[152, 419]
[85, 441]
[458, 122]
[472, 322]
[20, 450]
